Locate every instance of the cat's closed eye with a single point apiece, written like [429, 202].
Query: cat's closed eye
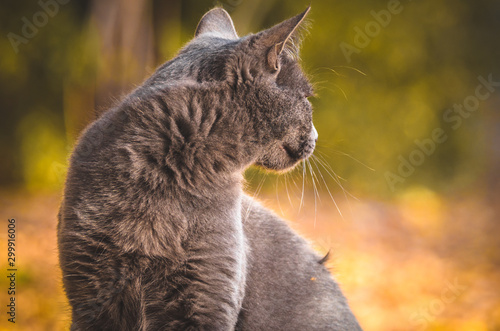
[309, 94]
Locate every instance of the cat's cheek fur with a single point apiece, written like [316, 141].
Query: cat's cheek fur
[276, 158]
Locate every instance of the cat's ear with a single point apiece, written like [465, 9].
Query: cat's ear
[275, 38]
[218, 23]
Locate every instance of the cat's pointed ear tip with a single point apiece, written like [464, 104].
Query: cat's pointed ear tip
[218, 21]
[218, 11]
[305, 12]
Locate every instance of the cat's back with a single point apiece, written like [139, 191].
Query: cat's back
[288, 286]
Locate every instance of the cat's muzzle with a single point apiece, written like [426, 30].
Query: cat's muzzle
[306, 147]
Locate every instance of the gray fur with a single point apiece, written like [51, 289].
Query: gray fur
[288, 287]
[150, 230]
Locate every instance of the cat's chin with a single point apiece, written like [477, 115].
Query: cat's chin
[284, 159]
[278, 167]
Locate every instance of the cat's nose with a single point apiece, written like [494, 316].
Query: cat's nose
[314, 134]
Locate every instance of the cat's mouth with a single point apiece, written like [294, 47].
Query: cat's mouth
[291, 153]
[284, 155]
[305, 150]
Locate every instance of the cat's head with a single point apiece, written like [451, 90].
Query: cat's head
[263, 72]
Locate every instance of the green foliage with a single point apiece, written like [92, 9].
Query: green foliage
[370, 108]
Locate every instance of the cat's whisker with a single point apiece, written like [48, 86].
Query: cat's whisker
[256, 193]
[334, 175]
[326, 166]
[315, 190]
[303, 183]
[319, 85]
[352, 68]
[292, 176]
[315, 177]
[334, 91]
[332, 70]
[314, 159]
[352, 158]
[341, 90]
[253, 176]
[277, 195]
[297, 186]
[287, 192]
[343, 67]
[323, 159]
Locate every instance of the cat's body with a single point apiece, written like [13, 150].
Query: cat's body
[151, 233]
[288, 286]
[187, 267]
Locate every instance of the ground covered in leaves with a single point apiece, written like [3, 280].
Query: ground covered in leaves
[419, 262]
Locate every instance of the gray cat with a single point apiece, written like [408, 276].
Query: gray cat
[153, 233]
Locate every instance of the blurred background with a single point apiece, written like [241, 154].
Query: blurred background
[404, 186]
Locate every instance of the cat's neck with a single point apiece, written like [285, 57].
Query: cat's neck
[193, 135]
